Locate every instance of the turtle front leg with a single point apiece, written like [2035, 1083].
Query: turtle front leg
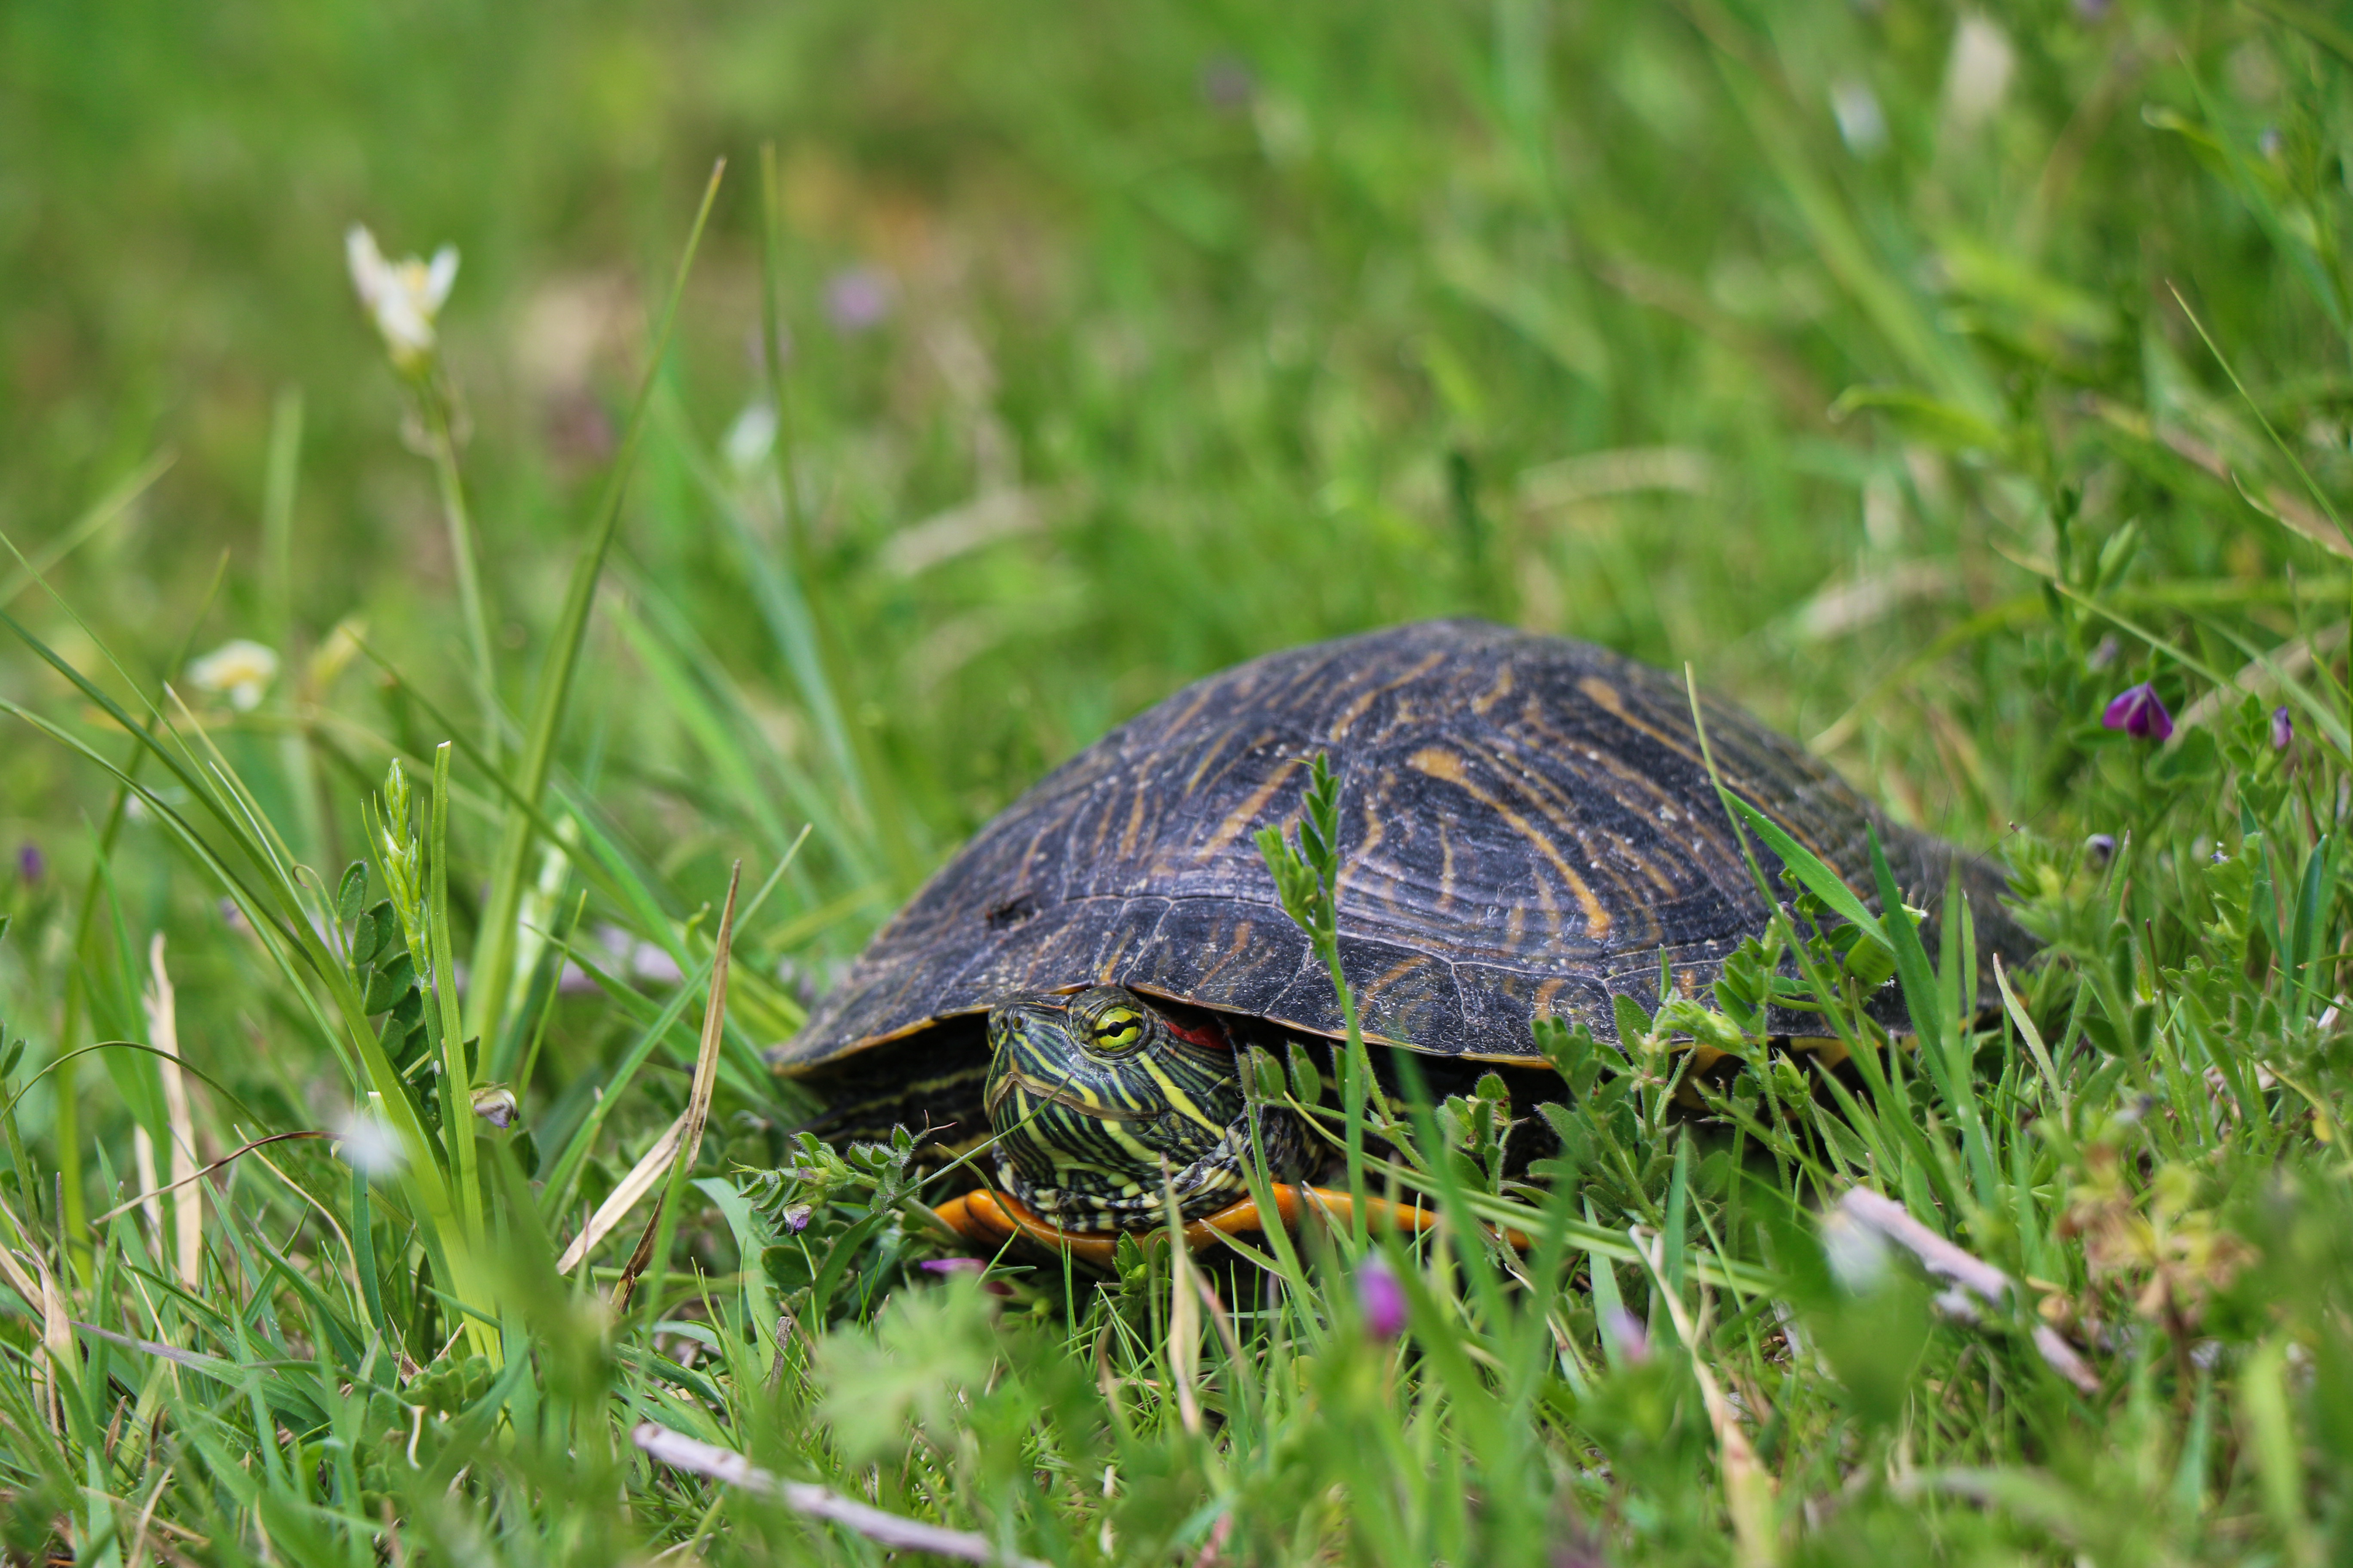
[1246, 1217]
[1380, 1214]
[990, 1219]
[957, 1214]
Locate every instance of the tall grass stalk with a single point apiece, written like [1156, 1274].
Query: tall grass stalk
[495, 942]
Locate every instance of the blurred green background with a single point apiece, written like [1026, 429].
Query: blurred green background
[1128, 343]
[1926, 375]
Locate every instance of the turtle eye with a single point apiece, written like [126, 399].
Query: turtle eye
[1109, 1022]
[1116, 1030]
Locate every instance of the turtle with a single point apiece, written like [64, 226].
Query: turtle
[1527, 831]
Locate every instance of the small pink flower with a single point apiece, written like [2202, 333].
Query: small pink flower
[858, 299]
[1226, 83]
[966, 1265]
[2139, 712]
[1629, 1334]
[1380, 1296]
[2283, 729]
[953, 1266]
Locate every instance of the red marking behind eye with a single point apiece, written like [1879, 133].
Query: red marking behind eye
[1208, 1033]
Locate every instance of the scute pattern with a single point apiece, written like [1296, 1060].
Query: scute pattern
[1526, 825]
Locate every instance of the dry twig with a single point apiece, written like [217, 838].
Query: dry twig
[1972, 1283]
[188, 1207]
[698, 1101]
[681, 1452]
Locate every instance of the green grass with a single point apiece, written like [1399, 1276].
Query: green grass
[1923, 418]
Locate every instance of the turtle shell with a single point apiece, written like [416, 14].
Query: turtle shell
[1526, 827]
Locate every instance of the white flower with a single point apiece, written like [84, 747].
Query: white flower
[241, 668]
[1977, 76]
[1861, 124]
[403, 295]
[749, 440]
[366, 1144]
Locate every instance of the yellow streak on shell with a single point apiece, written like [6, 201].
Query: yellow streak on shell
[1444, 765]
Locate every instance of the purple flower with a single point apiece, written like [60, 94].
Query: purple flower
[2100, 848]
[1380, 1296]
[1227, 83]
[2283, 729]
[858, 299]
[30, 863]
[640, 961]
[653, 965]
[1629, 1334]
[966, 1265]
[495, 1103]
[2139, 712]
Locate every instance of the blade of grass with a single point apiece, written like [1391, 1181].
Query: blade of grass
[1808, 867]
[719, 735]
[793, 620]
[295, 947]
[58, 1365]
[1841, 1008]
[626, 1194]
[457, 1073]
[778, 606]
[608, 869]
[2314, 895]
[1747, 1485]
[473, 611]
[280, 475]
[656, 1240]
[109, 509]
[495, 942]
[2313, 24]
[2032, 1037]
[1922, 1000]
[2280, 665]
[1876, 285]
[67, 1113]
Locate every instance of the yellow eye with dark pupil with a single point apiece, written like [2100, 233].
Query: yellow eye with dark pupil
[1116, 1029]
[1111, 1021]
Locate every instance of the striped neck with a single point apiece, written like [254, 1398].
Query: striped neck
[1101, 1102]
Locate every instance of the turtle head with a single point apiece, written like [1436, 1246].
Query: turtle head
[1094, 1095]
